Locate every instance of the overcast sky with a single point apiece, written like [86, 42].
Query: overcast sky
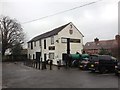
[96, 20]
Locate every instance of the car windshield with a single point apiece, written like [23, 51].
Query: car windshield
[93, 58]
[105, 57]
[113, 58]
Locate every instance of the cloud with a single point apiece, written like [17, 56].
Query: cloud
[96, 20]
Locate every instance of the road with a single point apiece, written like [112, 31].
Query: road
[17, 75]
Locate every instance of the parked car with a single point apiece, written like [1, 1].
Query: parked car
[117, 69]
[102, 63]
[84, 64]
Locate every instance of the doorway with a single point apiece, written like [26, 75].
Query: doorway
[38, 55]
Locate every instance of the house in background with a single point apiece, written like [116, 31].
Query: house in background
[53, 44]
[111, 46]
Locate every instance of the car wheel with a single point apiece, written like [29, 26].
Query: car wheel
[102, 70]
[117, 74]
[93, 71]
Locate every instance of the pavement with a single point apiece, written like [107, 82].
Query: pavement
[17, 75]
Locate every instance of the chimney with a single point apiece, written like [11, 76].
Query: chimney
[96, 40]
[117, 37]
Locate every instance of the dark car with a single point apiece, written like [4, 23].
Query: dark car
[84, 64]
[102, 63]
[117, 69]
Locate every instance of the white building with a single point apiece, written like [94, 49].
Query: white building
[53, 44]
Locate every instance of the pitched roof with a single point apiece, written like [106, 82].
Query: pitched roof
[49, 33]
[106, 44]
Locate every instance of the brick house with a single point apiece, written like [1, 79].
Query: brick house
[112, 46]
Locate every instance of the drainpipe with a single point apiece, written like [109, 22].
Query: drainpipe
[68, 52]
[68, 45]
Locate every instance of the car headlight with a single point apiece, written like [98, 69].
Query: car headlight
[81, 66]
[116, 66]
[92, 65]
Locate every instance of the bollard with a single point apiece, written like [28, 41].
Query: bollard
[59, 64]
[66, 65]
[51, 62]
[45, 65]
[32, 63]
[42, 65]
[36, 64]
[39, 65]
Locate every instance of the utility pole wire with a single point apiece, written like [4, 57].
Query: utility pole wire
[61, 12]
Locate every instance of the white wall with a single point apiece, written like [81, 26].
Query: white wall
[47, 51]
[34, 50]
[74, 47]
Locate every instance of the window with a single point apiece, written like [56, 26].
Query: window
[31, 45]
[29, 56]
[39, 42]
[34, 43]
[88, 44]
[45, 57]
[28, 45]
[45, 44]
[64, 40]
[51, 55]
[51, 47]
[93, 58]
[75, 40]
[106, 57]
[33, 56]
[52, 40]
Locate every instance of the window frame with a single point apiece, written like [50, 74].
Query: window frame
[40, 42]
[51, 48]
[53, 55]
[28, 45]
[52, 40]
[31, 45]
[33, 56]
[34, 43]
[62, 40]
[44, 43]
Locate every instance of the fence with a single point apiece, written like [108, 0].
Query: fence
[14, 57]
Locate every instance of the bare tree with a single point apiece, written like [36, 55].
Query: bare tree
[11, 32]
